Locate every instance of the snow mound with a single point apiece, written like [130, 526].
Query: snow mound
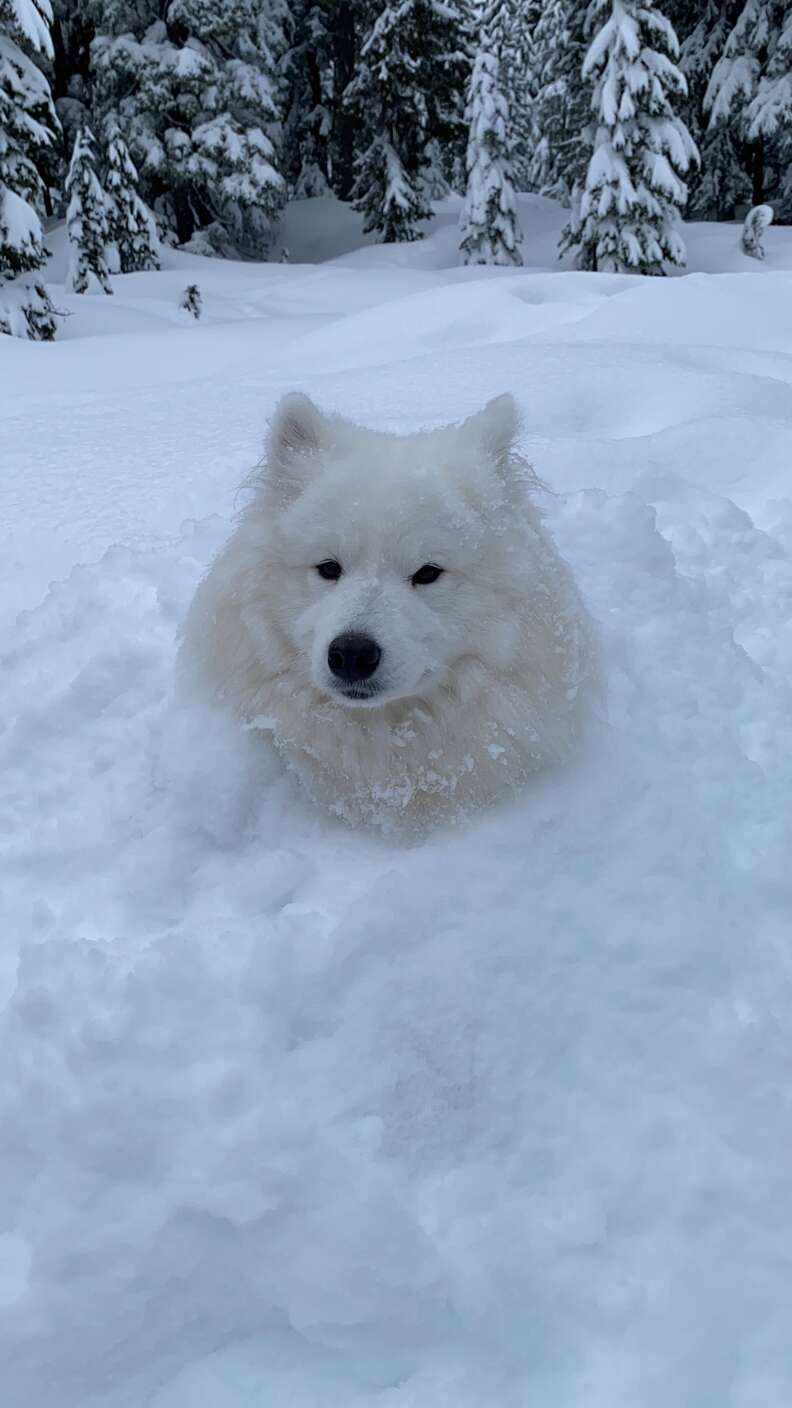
[294, 1117]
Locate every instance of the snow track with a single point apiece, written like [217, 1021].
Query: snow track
[295, 1117]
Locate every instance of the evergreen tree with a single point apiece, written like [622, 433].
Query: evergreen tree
[308, 125]
[320, 126]
[722, 181]
[131, 225]
[195, 86]
[407, 90]
[86, 219]
[26, 121]
[751, 91]
[519, 77]
[562, 103]
[490, 231]
[769, 114]
[346, 33]
[634, 190]
[72, 76]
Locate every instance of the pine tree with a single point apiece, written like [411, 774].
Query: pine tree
[519, 77]
[195, 86]
[309, 111]
[72, 76]
[86, 219]
[490, 230]
[407, 90]
[27, 118]
[769, 114]
[721, 182]
[751, 91]
[320, 127]
[131, 226]
[347, 32]
[634, 191]
[561, 143]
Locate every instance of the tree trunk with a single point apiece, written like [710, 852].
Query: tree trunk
[318, 138]
[185, 220]
[343, 134]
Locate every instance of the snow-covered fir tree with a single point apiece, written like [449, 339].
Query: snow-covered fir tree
[489, 225]
[750, 91]
[321, 129]
[519, 77]
[195, 86]
[769, 114]
[221, 107]
[721, 182]
[309, 67]
[27, 119]
[408, 89]
[348, 33]
[517, 67]
[86, 219]
[131, 226]
[72, 33]
[561, 109]
[635, 188]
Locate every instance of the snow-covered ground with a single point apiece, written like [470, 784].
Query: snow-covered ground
[295, 1118]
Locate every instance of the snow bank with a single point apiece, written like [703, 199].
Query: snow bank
[505, 1115]
[292, 1116]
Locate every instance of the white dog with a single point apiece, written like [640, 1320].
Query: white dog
[391, 612]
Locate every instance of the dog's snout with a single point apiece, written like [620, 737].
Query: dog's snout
[353, 658]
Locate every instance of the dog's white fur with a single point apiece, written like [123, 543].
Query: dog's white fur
[485, 673]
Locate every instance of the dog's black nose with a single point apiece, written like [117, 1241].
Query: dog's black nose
[353, 658]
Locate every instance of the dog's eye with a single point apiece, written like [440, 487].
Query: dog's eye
[426, 575]
[329, 571]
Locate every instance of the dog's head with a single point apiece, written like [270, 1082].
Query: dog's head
[391, 558]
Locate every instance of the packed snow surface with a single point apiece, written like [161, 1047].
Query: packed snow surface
[294, 1117]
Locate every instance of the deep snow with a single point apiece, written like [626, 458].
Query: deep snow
[291, 1116]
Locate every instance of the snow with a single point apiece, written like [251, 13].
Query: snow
[20, 224]
[292, 1115]
[32, 18]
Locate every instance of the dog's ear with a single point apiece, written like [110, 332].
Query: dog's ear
[495, 428]
[298, 432]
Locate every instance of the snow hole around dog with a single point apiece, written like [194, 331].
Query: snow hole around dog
[297, 1116]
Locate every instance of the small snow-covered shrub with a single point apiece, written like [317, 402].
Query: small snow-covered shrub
[192, 302]
[757, 221]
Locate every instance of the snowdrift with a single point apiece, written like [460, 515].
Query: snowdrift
[292, 1116]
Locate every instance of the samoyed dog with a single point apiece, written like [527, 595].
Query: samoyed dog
[392, 615]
